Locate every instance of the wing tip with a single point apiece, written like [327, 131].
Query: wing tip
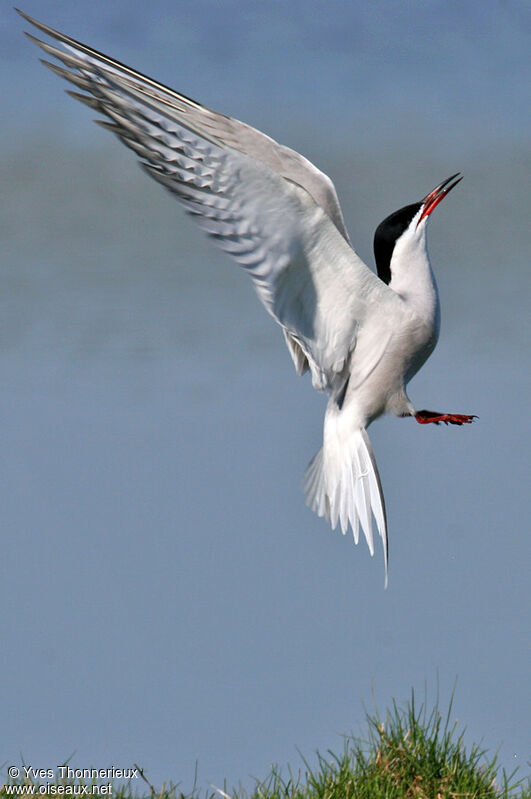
[23, 14]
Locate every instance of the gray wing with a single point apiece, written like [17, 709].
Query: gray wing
[266, 205]
[286, 162]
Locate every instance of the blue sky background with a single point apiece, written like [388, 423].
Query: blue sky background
[167, 598]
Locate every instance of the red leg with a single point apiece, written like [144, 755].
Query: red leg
[425, 417]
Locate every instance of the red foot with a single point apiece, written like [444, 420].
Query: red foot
[425, 417]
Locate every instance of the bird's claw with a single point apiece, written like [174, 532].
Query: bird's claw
[432, 417]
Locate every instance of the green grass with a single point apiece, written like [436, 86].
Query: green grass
[410, 754]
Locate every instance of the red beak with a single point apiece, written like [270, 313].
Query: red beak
[433, 199]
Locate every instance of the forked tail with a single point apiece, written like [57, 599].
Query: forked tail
[343, 485]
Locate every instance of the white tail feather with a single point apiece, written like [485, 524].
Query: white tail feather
[343, 485]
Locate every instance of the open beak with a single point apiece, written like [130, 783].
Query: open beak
[433, 199]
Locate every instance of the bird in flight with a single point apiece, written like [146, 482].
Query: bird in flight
[362, 336]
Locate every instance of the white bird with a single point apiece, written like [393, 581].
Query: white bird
[361, 336]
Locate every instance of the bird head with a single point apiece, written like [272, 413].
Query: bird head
[407, 223]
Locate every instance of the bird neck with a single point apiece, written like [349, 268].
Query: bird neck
[412, 276]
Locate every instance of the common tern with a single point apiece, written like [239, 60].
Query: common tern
[361, 336]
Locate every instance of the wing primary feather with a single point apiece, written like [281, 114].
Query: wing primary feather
[91, 102]
[111, 62]
[73, 77]
[109, 126]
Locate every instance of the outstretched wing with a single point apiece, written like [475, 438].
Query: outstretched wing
[265, 204]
